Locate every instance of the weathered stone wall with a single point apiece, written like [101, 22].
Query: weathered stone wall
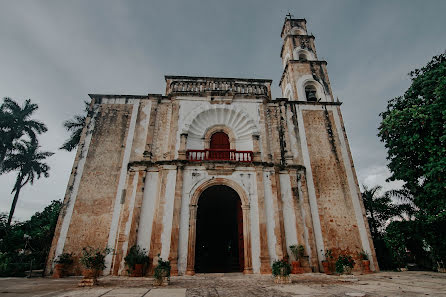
[91, 218]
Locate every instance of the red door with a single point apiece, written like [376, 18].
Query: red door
[219, 146]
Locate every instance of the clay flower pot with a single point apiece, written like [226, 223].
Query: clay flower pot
[59, 271]
[366, 266]
[138, 270]
[296, 267]
[326, 266]
[90, 273]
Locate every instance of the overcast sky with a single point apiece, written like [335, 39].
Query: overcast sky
[57, 52]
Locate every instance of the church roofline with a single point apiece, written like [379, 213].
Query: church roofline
[185, 77]
[98, 96]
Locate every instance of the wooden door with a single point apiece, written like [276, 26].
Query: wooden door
[218, 146]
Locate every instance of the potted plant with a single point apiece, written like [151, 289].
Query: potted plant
[136, 261]
[93, 260]
[364, 257]
[298, 252]
[62, 262]
[327, 262]
[344, 264]
[281, 271]
[162, 273]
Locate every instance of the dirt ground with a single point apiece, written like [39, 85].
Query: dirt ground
[408, 283]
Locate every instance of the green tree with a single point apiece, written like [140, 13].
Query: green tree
[15, 122]
[27, 160]
[25, 242]
[75, 126]
[413, 129]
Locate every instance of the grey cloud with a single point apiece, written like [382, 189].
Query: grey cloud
[57, 52]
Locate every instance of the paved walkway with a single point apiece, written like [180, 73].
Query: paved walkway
[236, 285]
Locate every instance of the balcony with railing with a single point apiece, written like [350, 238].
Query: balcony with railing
[219, 155]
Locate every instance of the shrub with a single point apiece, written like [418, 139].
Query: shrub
[342, 261]
[162, 269]
[281, 267]
[363, 255]
[298, 251]
[64, 258]
[328, 255]
[94, 258]
[135, 256]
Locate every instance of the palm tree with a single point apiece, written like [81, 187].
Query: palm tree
[378, 208]
[381, 208]
[15, 121]
[75, 126]
[27, 160]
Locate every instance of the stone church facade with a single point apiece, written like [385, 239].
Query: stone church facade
[216, 175]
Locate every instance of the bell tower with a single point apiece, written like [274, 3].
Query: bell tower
[304, 77]
[321, 146]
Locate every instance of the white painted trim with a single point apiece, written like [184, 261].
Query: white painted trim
[288, 90]
[289, 216]
[77, 179]
[148, 209]
[128, 224]
[310, 184]
[246, 181]
[269, 212]
[304, 215]
[353, 189]
[286, 59]
[169, 197]
[121, 185]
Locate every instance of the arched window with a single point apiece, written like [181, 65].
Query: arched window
[303, 56]
[310, 93]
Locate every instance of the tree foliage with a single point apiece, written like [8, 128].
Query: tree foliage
[75, 126]
[28, 161]
[26, 242]
[16, 122]
[413, 129]
[19, 146]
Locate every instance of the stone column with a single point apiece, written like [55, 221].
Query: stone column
[308, 220]
[247, 239]
[256, 148]
[182, 150]
[265, 261]
[190, 270]
[279, 229]
[174, 236]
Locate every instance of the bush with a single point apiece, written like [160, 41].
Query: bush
[298, 251]
[281, 267]
[363, 255]
[64, 258]
[135, 256]
[94, 258]
[162, 269]
[342, 261]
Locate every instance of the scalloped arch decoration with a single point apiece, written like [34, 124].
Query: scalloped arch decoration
[237, 120]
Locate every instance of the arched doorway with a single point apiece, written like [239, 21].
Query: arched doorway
[219, 231]
[218, 181]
